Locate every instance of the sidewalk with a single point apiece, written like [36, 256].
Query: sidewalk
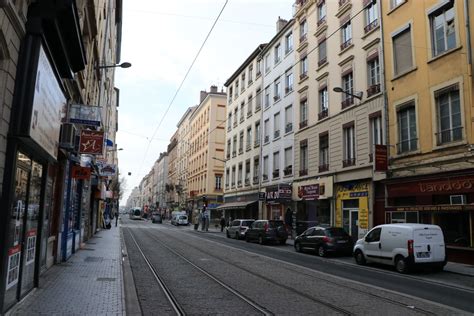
[89, 283]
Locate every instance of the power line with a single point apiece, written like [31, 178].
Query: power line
[181, 84]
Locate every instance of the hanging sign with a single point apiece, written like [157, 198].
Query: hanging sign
[381, 157]
[81, 173]
[92, 142]
[85, 114]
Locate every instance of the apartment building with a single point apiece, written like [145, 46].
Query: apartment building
[428, 62]
[206, 141]
[243, 139]
[278, 115]
[339, 112]
[172, 198]
[161, 179]
[183, 156]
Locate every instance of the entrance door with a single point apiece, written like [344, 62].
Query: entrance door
[355, 224]
[350, 217]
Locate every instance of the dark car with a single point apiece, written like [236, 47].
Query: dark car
[324, 240]
[238, 228]
[156, 218]
[265, 231]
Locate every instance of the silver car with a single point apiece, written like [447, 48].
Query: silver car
[238, 228]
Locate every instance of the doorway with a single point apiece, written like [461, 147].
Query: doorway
[350, 217]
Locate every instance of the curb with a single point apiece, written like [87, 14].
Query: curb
[132, 305]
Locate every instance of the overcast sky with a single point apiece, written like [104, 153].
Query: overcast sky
[161, 39]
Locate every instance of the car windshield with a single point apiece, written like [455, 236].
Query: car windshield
[247, 223]
[336, 232]
[183, 217]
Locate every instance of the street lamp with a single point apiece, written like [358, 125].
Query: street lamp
[357, 95]
[122, 65]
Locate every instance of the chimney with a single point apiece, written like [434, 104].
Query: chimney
[202, 96]
[280, 24]
[213, 89]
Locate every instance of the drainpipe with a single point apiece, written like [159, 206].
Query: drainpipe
[468, 33]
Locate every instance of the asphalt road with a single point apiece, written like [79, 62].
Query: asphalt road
[276, 279]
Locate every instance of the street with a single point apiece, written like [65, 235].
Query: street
[194, 272]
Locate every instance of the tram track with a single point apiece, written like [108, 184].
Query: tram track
[173, 301]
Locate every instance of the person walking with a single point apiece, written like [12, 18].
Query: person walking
[196, 220]
[222, 223]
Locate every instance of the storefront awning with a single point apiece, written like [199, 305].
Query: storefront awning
[235, 205]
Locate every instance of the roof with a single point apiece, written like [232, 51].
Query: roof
[252, 56]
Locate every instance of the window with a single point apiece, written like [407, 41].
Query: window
[258, 100]
[277, 54]
[234, 146]
[257, 133]
[304, 157]
[303, 67]
[256, 166]
[250, 80]
[289, 43]
[288, 161]
[376, 133]
[322, 56]
[396, 3]
[276, 125]
[239, 175]
[265, 168]
[236, 115]
[242, 111]
[443, 33]
[227, 177]
[242, 82]
[321, 12]
[346, 35]
[323, 103]
[407, 135]
[448, 109]
[267, 97]
[233, 176]
[288, 119]
[247, 172]
[288, 81]
[229, 122]
[230, 94]
[236, 88]
[371, 16]
[276, 90]
[347, 86]
[402, 52]
[249, 106]
[241, 142]
[249, 137]
[219, 182]
[259, 67]
[349, 145]
[303, 113]
[373, 76]
[228, 148]
[276, 164]
[324, 152]
[267, 63]
[303, 31]
[266, 131]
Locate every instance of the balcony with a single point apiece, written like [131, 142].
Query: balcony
[347, 102]
[373, 89]
[255, 180]
[241, 150]
[247, 181]
[323, 114]
[288, 127]
[348, 162]
[258, 107]
[266, 139]
[233, 184]
[229, 128]
[288, 90]
[343, 2]
[303, 38]
[449, 135]
[322, 61]
[276, 98]
[323, 168]
[228, 156]
[276, 134]
[248, 147]
[321, 21]
[234, 154]
[259, 73]
[235, 123]
[242, 117]
[369, 27]
[256, 143]
[346, 44]
[304, 75]
[265, 177]
[239, 183]
[303, 172]
[249, 112]
[407, 145]
[303, 124]
[288, 171]
[276, 173]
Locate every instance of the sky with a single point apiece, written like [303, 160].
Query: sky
[161, 40]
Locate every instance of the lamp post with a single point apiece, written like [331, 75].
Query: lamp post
[122, 65]
[357, 95]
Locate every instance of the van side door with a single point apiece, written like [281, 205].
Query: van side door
[372, 245]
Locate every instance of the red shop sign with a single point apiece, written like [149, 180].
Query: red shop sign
[92, 142]
[447, 185]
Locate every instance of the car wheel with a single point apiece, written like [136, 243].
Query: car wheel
[359, 257]
[260, 240]
[321, 251]
[298, 247]
[401, 265]
[227, 234]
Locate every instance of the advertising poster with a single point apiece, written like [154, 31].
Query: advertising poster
[30, 246]
[13, 270]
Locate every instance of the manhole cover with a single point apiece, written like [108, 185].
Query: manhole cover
[106, 279]
[93, 259]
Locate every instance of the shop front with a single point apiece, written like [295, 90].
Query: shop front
[313, 203]
[352, 207]
[239, 208]
[446, 200]
[278, 199]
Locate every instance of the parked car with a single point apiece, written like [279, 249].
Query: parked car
[324, 240]
[180, 220]
[403, 246]
[238, 228]
[156, 218]
[264, 231]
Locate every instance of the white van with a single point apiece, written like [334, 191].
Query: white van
[403, 246]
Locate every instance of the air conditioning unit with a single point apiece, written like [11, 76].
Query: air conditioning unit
[67, 136]
[457, 199]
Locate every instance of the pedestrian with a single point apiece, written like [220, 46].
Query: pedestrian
[196, 220]
[222, 223]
